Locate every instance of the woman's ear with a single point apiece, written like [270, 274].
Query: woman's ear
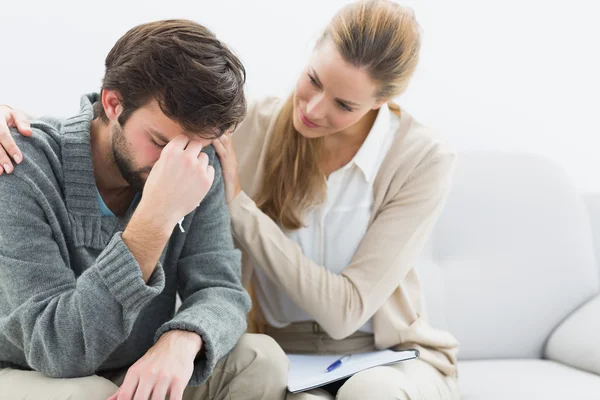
[379, 103]
[111, 104]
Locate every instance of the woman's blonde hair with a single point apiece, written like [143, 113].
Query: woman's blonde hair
[379, 36]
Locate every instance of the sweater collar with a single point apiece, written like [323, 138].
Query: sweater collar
[89, 228]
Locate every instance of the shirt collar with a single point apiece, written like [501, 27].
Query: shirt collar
[367, 158]
[104, 210]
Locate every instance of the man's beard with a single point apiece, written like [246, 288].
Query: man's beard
[125, 162]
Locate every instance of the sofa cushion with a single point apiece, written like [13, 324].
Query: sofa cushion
[576, 342]
[525, 380]
[511, 256]
[592, 200]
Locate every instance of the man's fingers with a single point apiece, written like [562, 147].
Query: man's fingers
[127, 389]
[114, 396]
[194, 148]
[179, 142]
[203, 159]
[160, 390]
[177, 388]
[211, 173]
[144, 389]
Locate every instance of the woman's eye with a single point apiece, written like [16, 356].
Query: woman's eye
[344, 106]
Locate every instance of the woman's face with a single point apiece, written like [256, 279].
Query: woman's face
[331, 95]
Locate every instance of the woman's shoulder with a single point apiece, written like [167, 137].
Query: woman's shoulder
[264, 106]
[416, 151]
[260, 115]
[420, 143]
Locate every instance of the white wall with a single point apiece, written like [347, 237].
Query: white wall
[504, 74]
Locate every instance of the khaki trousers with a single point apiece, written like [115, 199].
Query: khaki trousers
[408, 380]
[255, 369]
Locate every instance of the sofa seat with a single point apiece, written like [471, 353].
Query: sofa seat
[525, 380]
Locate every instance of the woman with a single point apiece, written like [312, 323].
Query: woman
[333, 193]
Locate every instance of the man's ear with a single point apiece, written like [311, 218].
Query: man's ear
[111, 104]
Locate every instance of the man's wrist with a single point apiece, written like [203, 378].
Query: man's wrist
[190, 341]
[146, 238]
[156, 223]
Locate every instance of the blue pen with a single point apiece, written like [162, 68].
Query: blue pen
[337, 363]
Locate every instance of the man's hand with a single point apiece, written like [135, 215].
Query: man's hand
[177, 183]
[164, 370]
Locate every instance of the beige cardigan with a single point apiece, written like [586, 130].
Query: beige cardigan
[380, 282]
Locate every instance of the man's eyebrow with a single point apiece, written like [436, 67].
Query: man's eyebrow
[158, 135]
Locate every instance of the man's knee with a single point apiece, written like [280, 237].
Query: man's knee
[262, 353]
[91, 387]
[377, 383]
[34, 385]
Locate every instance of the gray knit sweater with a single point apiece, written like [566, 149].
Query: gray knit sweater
[72, 298]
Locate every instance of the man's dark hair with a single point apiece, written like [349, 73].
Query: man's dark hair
[194, 77]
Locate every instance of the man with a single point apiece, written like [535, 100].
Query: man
[110, 215]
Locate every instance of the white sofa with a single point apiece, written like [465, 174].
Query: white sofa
[511, 270]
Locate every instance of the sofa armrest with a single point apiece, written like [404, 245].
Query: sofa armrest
[576, 342]
[592, 202]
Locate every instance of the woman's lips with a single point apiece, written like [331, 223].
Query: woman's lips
[307, 121]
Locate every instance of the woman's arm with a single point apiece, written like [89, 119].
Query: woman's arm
[388, 250]
[9, 151]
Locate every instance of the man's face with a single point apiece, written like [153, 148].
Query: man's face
[137, 146]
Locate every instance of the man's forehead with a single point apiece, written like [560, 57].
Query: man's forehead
[164, 128]
[158, 124]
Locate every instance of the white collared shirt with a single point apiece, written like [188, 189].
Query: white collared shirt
[334, 228]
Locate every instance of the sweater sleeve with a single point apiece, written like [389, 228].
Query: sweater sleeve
[214, 302]
[65, 325]
[386, 253]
